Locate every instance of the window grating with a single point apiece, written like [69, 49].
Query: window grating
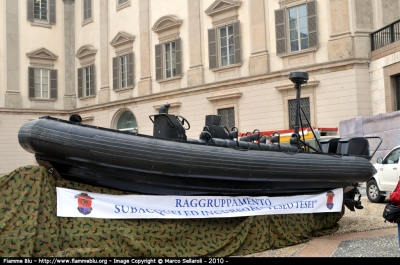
[305, 105]
[227, 117]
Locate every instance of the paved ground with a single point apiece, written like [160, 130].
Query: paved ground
[377, 243]
[361, 233]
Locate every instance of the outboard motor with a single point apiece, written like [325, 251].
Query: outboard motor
[169, 126]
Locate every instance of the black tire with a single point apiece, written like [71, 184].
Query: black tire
[373, 192]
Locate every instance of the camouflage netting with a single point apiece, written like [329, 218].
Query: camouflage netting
[29, 226]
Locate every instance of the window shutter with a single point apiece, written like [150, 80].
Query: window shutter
[115, 72]
[158, 50]
[89, 11]
[212, 48]
[280, 31]
[178, 57]
[80, 82]
[52, 11]
[93, 78]
[312, 24]
[30, 10]
[53, 84]
[236, 41]
[85, 9]
[31, 82]
[130, 69]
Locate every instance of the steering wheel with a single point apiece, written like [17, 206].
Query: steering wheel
[182, 121]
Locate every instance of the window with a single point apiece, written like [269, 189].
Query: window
[305, 105]
[392, 158]
[296, 28]
[169, 56]
[87, 10]
[86, 81]
[227, 117]
[42, 83]
[122, 4]
[224, 46]
[123, 71]
[170, 60]
[127, 122]
[42, 11]
[89, 80]
[397, 92]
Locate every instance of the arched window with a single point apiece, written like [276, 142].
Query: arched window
[127, 122]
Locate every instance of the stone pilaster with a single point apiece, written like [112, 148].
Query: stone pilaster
[363, 22]
[12, 97]
[104, 91]
[196, 69]
[145, 71]
[390, 11]
[340, 44]
[69, 98]
[259, 60]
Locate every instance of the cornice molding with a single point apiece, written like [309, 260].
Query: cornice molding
[234, 93]
[288, 85]
[85, 50]
[222, 6]
[172, 103]
[166, 23]
[284, 3]
[122, 38]
[69, 2]
[42, 53]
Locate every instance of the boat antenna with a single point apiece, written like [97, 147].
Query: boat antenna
[298, 78]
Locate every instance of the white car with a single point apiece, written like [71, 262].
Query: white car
[387, 177]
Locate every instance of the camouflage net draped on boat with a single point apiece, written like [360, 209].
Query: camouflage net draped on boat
[29, 227]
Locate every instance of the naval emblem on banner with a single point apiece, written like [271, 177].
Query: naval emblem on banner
[84, 203]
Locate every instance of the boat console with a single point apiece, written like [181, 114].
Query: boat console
[168, 125]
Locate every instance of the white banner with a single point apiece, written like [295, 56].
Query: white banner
[74, 203]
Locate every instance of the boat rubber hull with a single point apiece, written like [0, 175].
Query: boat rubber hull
[148, 165]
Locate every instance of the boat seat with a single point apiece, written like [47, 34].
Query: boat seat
[329, 145]
[357, 146]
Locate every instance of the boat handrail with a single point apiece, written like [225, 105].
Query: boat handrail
[183, 121]
[376, 149]
[171, 124]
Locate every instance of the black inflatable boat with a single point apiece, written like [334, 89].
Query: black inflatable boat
[219, 162]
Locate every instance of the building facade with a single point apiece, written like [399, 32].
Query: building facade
[115, 62]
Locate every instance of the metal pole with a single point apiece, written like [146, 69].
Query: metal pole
[298, 78]
[297, 121]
